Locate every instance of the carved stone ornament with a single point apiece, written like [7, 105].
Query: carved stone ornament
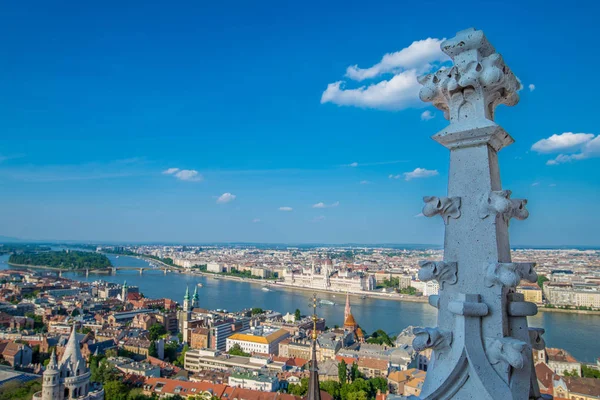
[509, 274]
[443, 272]
[447, 207]
[477, 83]
[535, 338]
[508, 350]
[499, 202]
[431, 338]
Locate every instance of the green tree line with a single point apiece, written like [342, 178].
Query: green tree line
[63, 259]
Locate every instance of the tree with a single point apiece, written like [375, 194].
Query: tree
[541, 280]
[257, 310]
[572, 373]
[16, 390]
[115, 390]
[589, 372]
[180, 361]
[342, 372]
[409, 290]
[236, 350]
[152, 350]
[331, 387]
[171, 351]
[379, 383]
[354, 372]
[75, 313]
[297, 315]
[299, 389]
[359, 395]
[156, 331]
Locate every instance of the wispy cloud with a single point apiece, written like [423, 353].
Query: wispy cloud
[285, 208]
[354, 164]
[365, 182]
[374, 163]
[420, 173]
[427, 115]
[319, 218]
[531, 87]
[535, 184]
[226, 198]
[256, 220]
[397, 93]
[571, 146]
[323, 205]
[392, 176]
[190, 175]
[76, 172]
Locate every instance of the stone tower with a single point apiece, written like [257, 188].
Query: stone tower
[482, 347]
[69, 379]
[347, 310]
[51, 385]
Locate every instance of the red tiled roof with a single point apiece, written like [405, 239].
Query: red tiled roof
[183, 388]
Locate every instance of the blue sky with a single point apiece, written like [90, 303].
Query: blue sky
[99, 101]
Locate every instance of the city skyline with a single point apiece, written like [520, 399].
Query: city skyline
[279, 126]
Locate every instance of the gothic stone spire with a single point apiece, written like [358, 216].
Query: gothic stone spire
[314, 392]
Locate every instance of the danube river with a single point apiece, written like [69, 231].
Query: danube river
[574, 332]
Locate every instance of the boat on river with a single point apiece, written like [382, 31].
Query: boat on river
[265, 289]
[326, 302]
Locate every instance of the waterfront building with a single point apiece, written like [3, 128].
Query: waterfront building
[531, 292]
[327, 278]
[261, 339]
[561, 361]
[69, 379]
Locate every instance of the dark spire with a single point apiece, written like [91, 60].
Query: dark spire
[314, 392]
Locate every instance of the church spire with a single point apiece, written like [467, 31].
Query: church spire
[347, 310]
[314, 392]
[53, 364]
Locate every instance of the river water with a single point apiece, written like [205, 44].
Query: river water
[576, 333]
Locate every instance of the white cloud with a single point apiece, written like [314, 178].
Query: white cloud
[226, 198]
[323, 205]
[365, 182]
[285, 208]
[419, 55]
[189, 175]
[560, 143]
[392, 176]
[571, 146]
[531, 87]
[535, 184]
[396, 93]
[420, 173]
[256, 220]
[427, 115]
[354, 164]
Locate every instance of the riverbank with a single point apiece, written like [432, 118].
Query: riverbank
[566, 311]
[91, 271]
[280, 285]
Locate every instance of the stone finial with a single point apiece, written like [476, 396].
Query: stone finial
[509, 274]
[443, 272]
[508, 350]
[446, 207]
[477, 83]
[431, 338]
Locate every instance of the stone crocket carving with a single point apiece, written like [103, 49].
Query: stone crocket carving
[508, 350]
[443, 272]
[446, 207]
[499, 202]
[509, 274]
[431, 338]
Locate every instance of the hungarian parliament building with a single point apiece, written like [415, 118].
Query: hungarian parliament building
[327, 278]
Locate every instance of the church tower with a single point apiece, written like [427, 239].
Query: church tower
[195, 299]
[347, 310]
[314, 392]
[124, 292]
[186, 300]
